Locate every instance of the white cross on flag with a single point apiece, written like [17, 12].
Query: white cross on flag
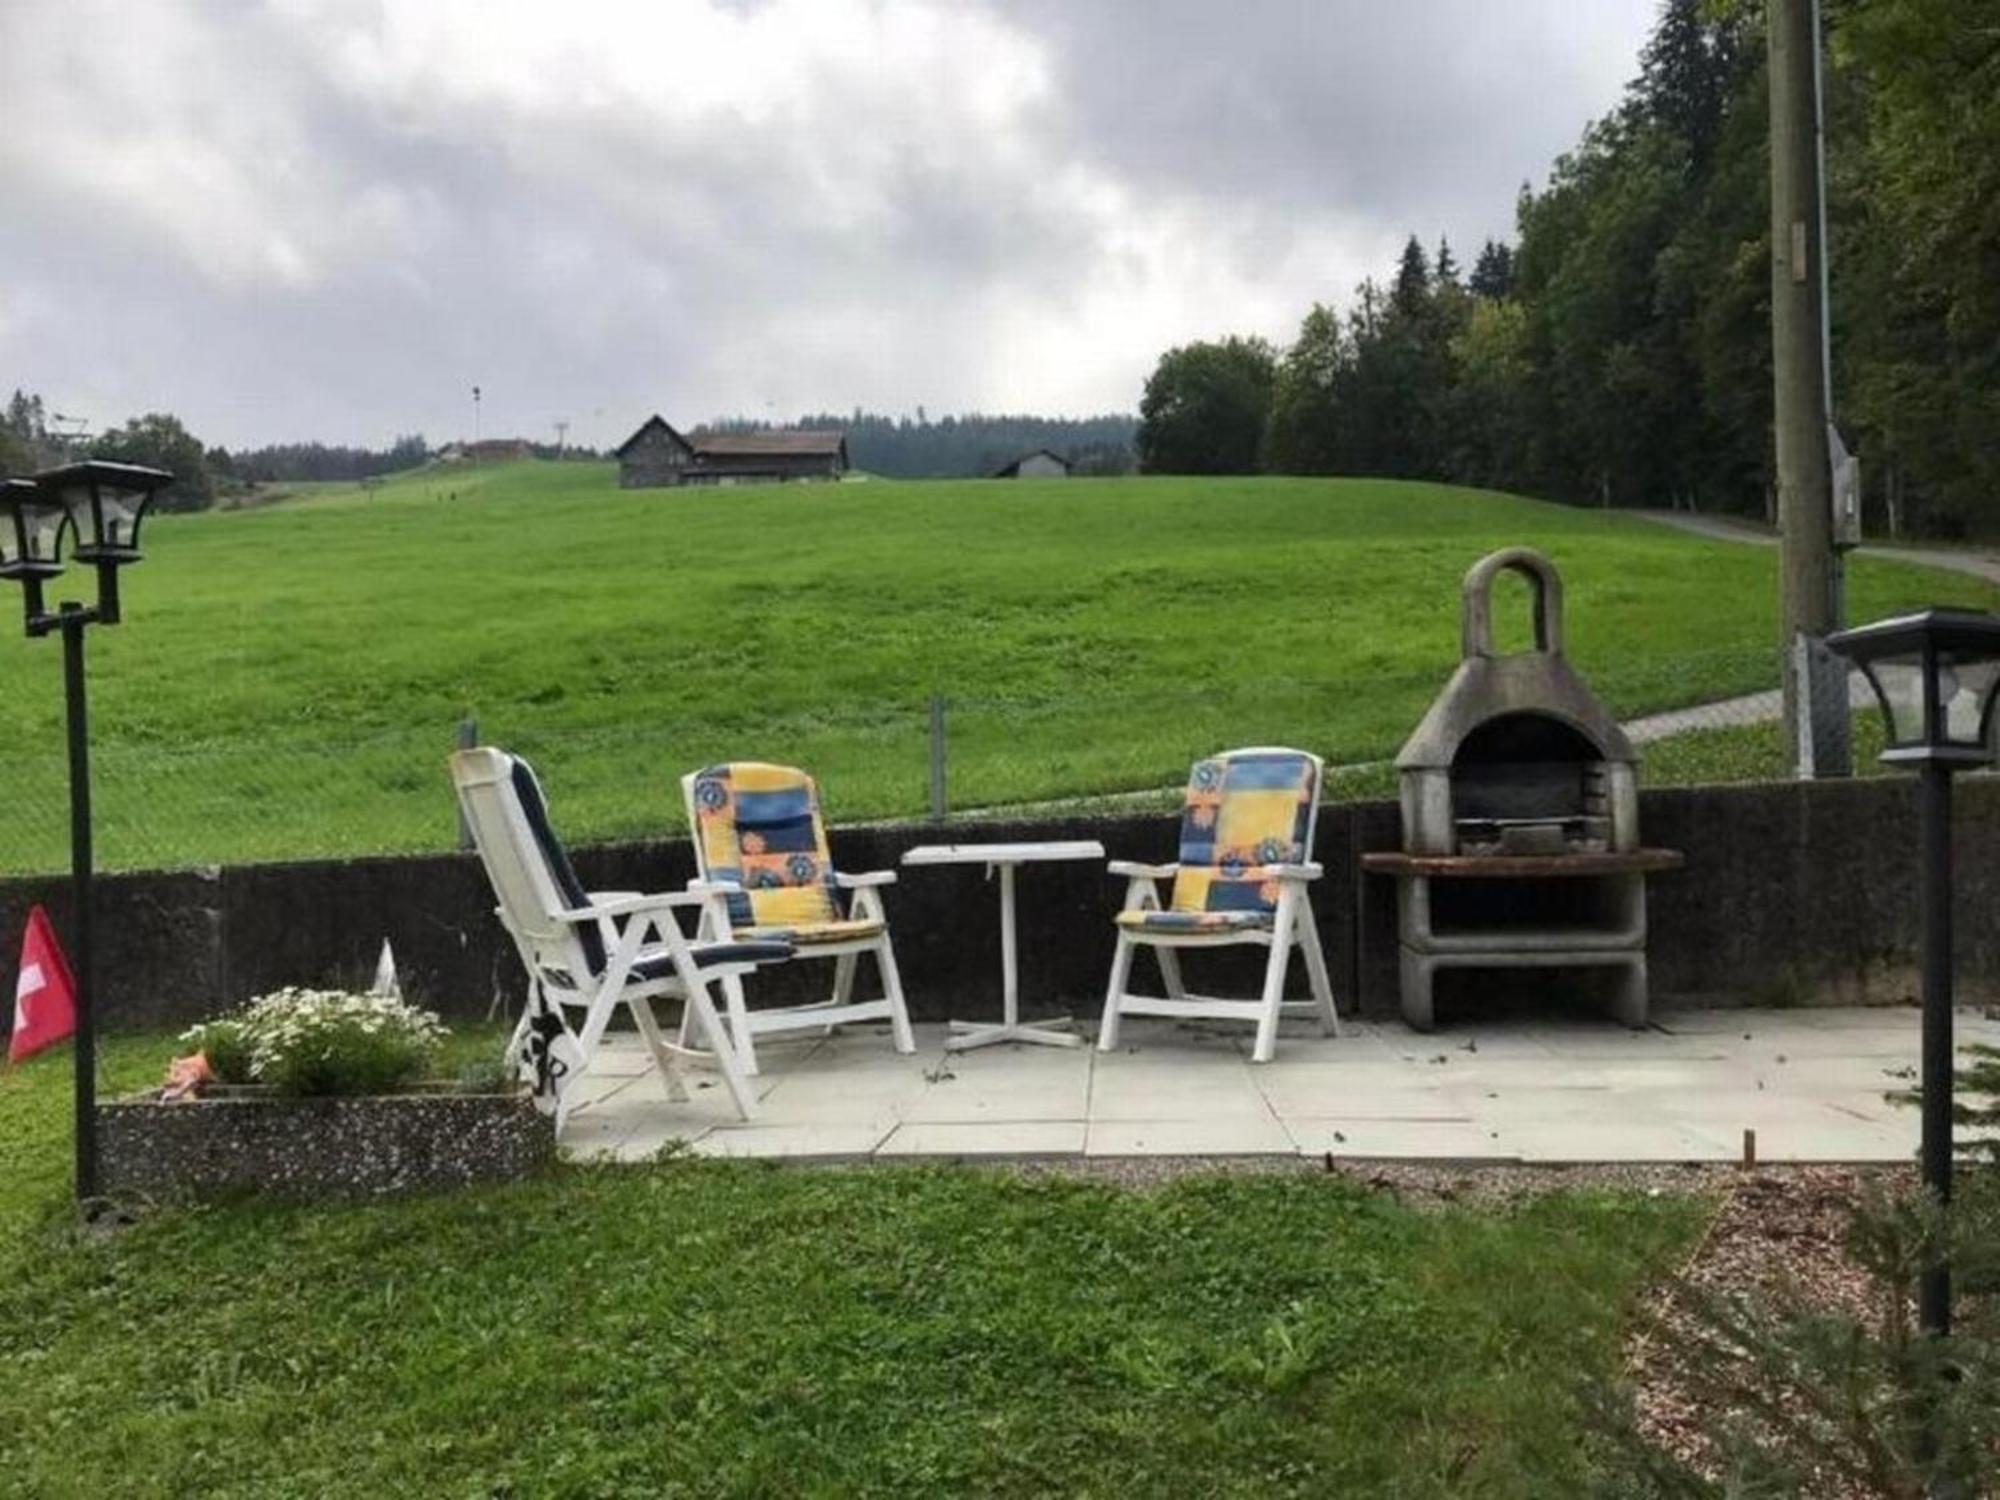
[44, 995]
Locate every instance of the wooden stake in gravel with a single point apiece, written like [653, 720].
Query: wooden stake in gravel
[1749, 1147]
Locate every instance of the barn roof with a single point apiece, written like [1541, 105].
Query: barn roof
[655, 420]
[1013, 469]
[788, 444]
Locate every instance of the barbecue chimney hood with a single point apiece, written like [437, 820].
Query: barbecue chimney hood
[1517, 756]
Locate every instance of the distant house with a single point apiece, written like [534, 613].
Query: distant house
[1041, 464]
[656, 455]
[490, 451]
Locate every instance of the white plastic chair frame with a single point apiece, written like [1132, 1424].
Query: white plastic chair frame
[1292, 926]
[820, 1016]
[632, 929]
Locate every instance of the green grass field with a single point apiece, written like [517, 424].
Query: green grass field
[702, 1329]
[289, 678]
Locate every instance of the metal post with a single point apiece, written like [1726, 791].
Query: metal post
[1810, 567]
[72, 618]
[937, 758]
[1934, 1289]
[468, 736]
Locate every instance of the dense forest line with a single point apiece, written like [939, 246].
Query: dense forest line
[1618, 351]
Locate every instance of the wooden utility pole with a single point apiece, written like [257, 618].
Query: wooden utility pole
[1810, 592]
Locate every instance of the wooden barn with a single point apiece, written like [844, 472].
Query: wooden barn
[1041, 464]
[656, 456]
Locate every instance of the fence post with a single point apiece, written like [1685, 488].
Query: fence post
[468, 736]
[937, 758]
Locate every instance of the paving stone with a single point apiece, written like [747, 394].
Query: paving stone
[838, 1142]
[1413, 1140]
[1009, 1139]
[962, 1102]
[1246, 1135]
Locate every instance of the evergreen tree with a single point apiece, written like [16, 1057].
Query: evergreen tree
[1684, 76]
[1412, 286]
[1493, 272]
[1446, 265]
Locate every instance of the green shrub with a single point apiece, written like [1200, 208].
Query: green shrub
[314, 1043]
[226, 1042]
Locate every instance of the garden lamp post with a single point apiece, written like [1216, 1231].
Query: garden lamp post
[99, 505]
[1935, 674]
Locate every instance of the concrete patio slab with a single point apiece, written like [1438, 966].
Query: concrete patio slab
[1021, 1139]
[1810, 1083]
[827, 1142]
[1236, 1135]
[1404, 1140]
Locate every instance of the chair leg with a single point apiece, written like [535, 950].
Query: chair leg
[727, 1060]
[843, 976]
[1322, 986]
[892, 991]
[1114, 993]
[664, 1062]
[1170, 973]
[1266, 1046]
[739, 1023]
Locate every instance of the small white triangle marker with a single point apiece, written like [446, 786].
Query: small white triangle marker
[385, 974]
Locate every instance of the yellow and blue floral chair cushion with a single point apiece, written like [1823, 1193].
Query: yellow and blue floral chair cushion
[1243, 811]
[759, 826]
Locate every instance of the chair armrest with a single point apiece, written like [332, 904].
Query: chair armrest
[628, 906]
[715, 888]
[598, 898]
[1308, 871]
[1132, 869]
[864, 880]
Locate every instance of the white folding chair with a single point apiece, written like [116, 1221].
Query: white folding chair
[592, 952]
[765, 871]
[1246, 841]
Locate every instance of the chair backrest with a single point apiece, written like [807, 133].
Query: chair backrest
[1245, 809]
[532, 877]
[760, 826]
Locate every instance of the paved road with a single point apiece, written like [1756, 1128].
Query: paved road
[1729, 529]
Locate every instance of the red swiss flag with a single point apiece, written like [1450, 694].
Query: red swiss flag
[44, 995]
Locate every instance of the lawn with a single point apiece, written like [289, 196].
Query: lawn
[732, 1329]
[289, 678]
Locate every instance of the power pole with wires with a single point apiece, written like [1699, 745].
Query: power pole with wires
[1811, 585]
[562, 436]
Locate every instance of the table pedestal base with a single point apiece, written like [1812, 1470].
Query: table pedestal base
[985, 1033]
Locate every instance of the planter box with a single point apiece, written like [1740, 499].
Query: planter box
[243, 1140]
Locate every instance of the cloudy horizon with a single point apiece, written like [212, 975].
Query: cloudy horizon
[295, 219]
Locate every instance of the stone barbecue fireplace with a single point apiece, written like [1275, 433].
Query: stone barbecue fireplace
[1520, 813]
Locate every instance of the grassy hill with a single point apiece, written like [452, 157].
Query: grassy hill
[289, 678]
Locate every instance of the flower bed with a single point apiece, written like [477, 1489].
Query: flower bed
[317, 1094]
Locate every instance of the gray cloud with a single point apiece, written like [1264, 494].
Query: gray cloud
[331, 217]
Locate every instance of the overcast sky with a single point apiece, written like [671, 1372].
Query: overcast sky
[331, 218]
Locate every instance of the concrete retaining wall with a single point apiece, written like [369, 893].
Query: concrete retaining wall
[1792, 894]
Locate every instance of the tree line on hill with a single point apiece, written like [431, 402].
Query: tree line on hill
[32, 437]
[967, 446]
[1618, 351]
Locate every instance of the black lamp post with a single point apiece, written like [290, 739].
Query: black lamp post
[1936, 674]
[100, 505]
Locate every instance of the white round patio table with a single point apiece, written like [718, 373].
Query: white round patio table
[1006, 858]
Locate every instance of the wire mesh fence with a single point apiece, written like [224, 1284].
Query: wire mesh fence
[296, 792]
